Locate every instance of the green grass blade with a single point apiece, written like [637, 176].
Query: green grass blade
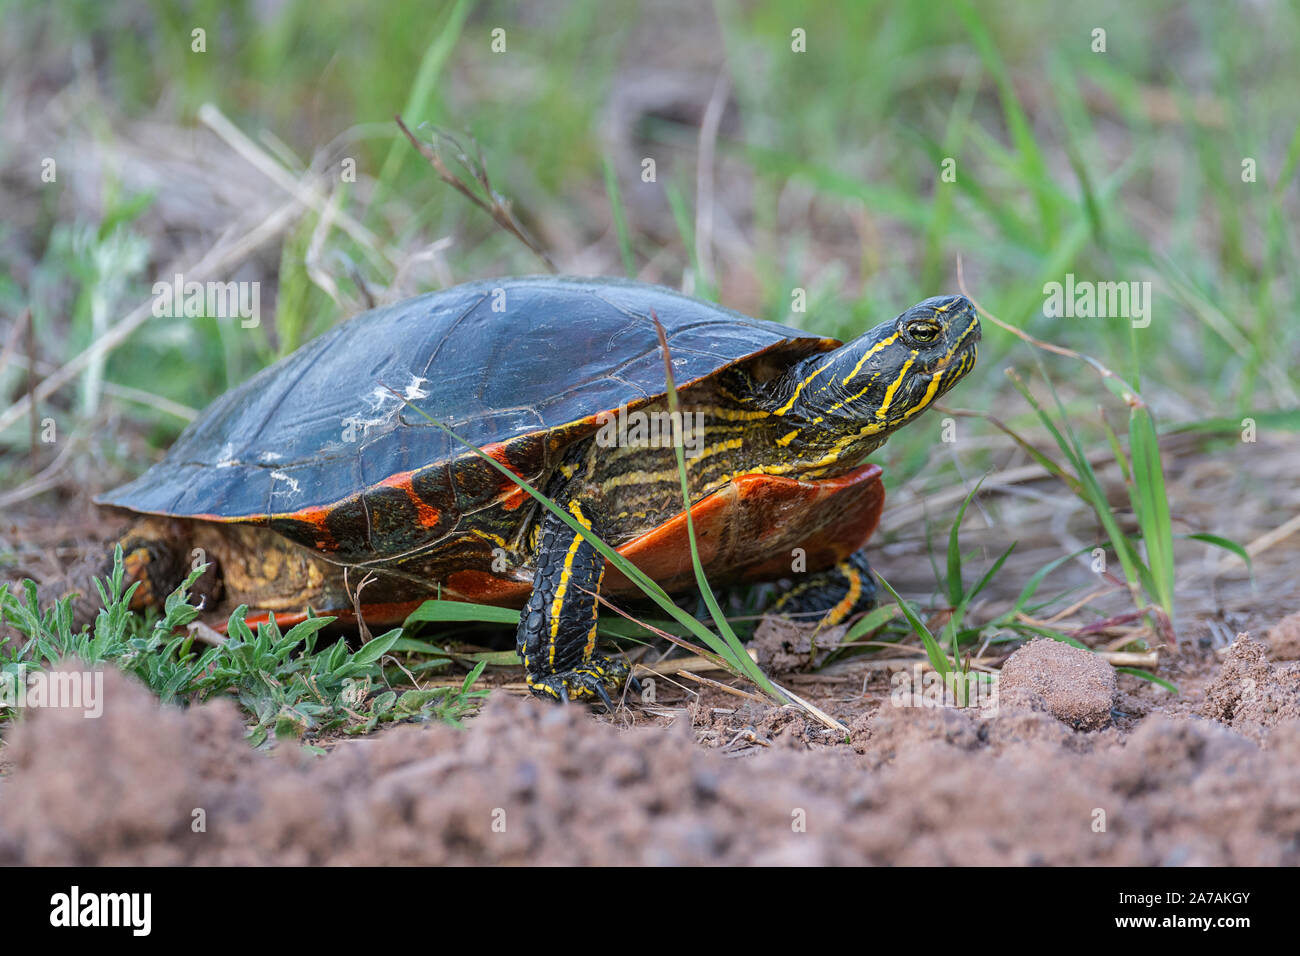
[938, 660]
[1151, 503]
[737, 651]
[619, 215]
[444, 610]
[989, 575]
[954, 582]
[422, 90]
[1034, 166]
[873, 620]
[1148, 676]
[1227, 544]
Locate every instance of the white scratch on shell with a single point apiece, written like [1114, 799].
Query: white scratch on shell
[294, 488]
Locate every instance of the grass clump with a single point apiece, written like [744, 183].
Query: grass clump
[288, 685]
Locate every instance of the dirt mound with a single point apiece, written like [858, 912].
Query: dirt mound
[531, 783]
[1251, 694]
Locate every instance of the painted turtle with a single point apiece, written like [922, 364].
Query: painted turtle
[324, 471]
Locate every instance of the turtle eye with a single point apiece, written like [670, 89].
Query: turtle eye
[924, 331]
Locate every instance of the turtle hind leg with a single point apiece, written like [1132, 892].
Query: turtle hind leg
[831, 596]
[557, 627]
[155, 556]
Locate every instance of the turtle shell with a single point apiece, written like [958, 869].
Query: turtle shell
[320, 446]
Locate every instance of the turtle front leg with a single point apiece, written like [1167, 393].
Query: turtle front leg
[557, 627]
[836, 594]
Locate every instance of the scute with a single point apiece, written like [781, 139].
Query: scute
[493, 360]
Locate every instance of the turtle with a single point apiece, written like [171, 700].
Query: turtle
[351, 478]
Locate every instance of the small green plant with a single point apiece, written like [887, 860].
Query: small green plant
[945, 652]
[289, 686]
[1147, 558]
[949, 651]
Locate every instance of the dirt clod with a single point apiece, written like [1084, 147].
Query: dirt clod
[783, 645]
[1076, 687]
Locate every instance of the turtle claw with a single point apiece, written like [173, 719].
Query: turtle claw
[595, 678]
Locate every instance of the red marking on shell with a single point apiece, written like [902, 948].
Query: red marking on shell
[512, 496]
[425, 514]
[497, 450]
[317, 517]
[514, 499]
[400, 480]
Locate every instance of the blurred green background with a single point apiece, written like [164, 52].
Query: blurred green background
[824, 175]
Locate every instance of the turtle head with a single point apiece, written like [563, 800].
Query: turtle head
[843, 404]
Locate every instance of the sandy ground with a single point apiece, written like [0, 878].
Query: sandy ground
[1218, 783]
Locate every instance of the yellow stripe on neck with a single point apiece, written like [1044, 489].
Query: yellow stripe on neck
[799, 388]
[888, 340]
[893, 388]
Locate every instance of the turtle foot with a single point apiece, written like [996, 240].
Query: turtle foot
[601, 678]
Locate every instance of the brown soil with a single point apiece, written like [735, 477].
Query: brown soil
[528, 782]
